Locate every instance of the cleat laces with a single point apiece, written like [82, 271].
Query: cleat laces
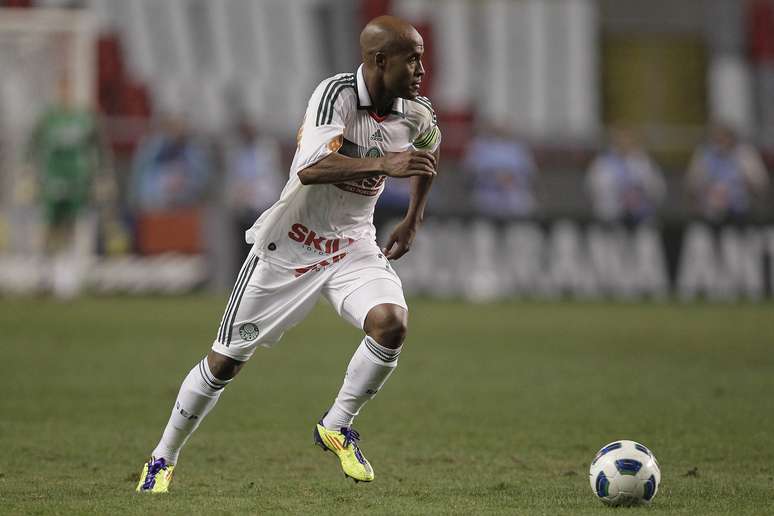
[352, 437]
[153, 469]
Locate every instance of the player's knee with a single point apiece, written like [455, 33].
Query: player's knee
[223, 367]
[387, 324]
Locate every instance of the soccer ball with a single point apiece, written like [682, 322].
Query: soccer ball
[625, 473]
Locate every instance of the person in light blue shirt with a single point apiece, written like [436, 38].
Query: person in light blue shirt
[502, 172]
[253, 181]
[170, 169]
[624, 184]
[724, 175]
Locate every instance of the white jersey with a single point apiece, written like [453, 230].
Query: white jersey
[314, 224]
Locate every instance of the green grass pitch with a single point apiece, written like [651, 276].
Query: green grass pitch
[495, 409]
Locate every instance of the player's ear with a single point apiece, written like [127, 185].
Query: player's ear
[380, 59]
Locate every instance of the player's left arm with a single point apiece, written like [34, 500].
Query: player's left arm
[428, 139]
[402, 237]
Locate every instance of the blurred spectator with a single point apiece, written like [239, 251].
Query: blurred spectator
[502, 171]
[65, 151]
[253, 180]
[624, 183]
[171, 168]
[724, 174]
[392, 202]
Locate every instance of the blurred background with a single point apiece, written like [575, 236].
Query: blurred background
[616, 149]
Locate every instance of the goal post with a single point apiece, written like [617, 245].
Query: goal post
[54, 42]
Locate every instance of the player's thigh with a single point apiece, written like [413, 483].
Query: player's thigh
[266, 301]
[363, 283]
[378, 305]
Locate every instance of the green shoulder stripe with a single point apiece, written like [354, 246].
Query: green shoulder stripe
[329, 96]
[425, 102]
[335, 95]
[429, 139]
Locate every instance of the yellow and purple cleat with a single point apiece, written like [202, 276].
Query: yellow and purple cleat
[155, 477]
[345, 445]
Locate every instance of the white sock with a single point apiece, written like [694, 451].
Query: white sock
[198, 394]
[367, 372]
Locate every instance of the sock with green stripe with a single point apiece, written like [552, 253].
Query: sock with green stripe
[370, 367]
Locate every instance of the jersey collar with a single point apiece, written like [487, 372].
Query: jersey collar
[364, 98]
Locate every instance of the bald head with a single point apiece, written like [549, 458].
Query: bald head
[392, 60]
[388, 35]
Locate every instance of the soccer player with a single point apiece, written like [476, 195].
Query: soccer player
[319, 240]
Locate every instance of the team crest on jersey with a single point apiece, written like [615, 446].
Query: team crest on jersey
[369, 186]
[248, 331]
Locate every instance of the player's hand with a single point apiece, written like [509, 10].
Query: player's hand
[400, 240]
[409, 163]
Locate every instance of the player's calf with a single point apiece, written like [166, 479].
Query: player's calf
[368, 371]
[198, 394]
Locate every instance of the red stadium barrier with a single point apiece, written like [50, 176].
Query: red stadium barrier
[178, 231]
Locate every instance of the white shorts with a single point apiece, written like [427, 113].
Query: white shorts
[269, 299]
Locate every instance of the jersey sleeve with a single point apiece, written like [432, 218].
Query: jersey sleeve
[428, 134]
[328, 111]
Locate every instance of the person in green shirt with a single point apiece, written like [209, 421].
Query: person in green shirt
[65, 151]
[74, 196]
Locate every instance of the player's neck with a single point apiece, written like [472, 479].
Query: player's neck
[382, 108]
[381, 101]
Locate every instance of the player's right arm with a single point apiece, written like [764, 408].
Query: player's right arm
[332, 105]
[337, 168]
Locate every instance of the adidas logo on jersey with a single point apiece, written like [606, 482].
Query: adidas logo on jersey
[377, 136]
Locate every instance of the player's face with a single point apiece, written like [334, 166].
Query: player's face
[404, 70]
